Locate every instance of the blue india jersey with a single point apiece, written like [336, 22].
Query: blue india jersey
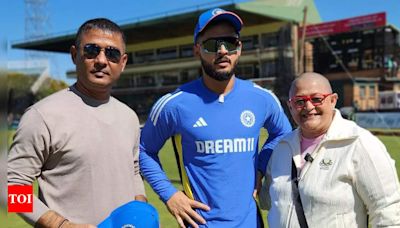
[216, 139]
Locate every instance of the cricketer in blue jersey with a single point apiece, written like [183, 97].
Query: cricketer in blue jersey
[214, 122]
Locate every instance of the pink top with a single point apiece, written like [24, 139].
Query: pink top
[308, 146]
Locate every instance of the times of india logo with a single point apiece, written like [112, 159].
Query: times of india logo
[20, 198]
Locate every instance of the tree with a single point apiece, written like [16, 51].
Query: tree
[51, 86]
[19, 93]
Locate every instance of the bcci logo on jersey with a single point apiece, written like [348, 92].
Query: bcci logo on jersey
[247, 118]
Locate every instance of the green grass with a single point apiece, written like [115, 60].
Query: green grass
[169, 164]
[392, 144]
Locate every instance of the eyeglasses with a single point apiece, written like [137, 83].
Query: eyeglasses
[212, 45]
[315, 99]
[91, 51]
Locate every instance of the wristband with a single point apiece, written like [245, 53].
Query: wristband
[62, 223]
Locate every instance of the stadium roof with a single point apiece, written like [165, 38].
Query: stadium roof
[181, 23]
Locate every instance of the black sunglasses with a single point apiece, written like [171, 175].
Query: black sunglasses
[212, 45]
[91, 51]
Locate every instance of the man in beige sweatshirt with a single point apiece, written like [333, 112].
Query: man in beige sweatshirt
[81, 144]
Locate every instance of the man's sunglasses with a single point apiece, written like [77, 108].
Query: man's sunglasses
[212, 45]
[315, 99]
[91, 51]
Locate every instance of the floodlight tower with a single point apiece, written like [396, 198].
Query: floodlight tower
[36, 22]
[36, 27]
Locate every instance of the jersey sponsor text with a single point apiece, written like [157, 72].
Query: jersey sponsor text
[220, 146]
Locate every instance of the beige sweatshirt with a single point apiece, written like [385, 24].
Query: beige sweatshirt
[83, 152]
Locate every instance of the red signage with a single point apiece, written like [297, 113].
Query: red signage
[347, 25]
[20, 198]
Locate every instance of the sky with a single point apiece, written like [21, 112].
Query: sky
[65, 16]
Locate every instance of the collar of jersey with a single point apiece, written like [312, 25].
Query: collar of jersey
[214, 95]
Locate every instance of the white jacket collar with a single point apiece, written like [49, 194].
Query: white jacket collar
[340, 129]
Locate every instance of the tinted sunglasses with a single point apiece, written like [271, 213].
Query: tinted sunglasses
[212, 45]
[316, 100]
[91, 51]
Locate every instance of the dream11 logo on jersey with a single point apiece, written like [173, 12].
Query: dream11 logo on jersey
[20, 198]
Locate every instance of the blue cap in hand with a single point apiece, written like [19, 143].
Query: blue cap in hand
[135, 214]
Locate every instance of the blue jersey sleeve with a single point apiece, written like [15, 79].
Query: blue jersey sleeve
[159, 126]
[277, 125]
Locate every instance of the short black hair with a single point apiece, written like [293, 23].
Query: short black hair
[103, 24]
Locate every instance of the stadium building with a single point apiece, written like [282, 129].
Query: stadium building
[160, 47]
[360, 57]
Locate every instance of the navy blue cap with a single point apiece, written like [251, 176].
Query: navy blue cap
[217, 14]
[133, 214]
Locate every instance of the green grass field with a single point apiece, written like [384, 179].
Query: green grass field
[169, 164]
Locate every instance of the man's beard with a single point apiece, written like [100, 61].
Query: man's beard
[219, 76]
